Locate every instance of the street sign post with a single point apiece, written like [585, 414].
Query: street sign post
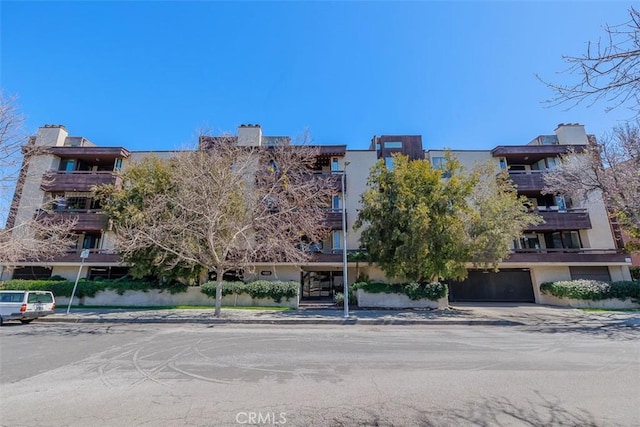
[83, 255]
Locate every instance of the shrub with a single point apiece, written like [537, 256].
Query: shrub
[635, 273]
[89, 288]
[431, 291]
[338, 298]
[276, 290]
[593, 290]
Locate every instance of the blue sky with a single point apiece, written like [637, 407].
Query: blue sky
[146, 75]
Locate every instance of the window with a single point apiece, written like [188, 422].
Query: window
[393, 144]
[388, 162]
[336, 240]
[335, 165]
[67, 165]
[503, 163]
[91, 241]
[441, 164]
[552, 163]
[560, 202]
[335, 203]
[117, 165]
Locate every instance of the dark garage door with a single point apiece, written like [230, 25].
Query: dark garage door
[503, 286]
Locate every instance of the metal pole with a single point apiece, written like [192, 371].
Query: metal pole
[83, 255]
[344, 244]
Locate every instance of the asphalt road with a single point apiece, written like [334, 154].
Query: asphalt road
[331, 375]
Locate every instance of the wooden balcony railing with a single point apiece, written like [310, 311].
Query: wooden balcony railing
[528, 181]
[86, 220]
[333, 219]
[564, 255]
[573, 219]
[96, 256]
[76, 181]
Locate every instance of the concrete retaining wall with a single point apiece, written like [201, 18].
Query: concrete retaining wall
[579, 303]
[382, 300]
[155, 297]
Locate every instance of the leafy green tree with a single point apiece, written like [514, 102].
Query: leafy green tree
[124, 205]
[423, 224]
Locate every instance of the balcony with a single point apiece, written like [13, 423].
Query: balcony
[528, 181]
[95, 256]
[86, 220]
[58, 181]
[333, 219]
[334, 256]
[573, 219]
[89, 153]
[565, 255]
[529, 154]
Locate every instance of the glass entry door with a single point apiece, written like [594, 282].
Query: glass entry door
[321, 284]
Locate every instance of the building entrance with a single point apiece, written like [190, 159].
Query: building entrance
[320, 285]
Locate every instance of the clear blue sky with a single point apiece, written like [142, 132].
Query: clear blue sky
[146, 75]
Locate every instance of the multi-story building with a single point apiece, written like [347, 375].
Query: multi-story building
[575, 241]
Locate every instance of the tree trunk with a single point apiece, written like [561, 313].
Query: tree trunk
[218, 294]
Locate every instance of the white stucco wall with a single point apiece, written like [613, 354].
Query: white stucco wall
[154, 297]
[357, 173]
[383, 300]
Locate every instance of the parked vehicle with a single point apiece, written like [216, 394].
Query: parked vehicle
[25, 306]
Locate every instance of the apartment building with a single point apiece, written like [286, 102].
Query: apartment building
[575, 241]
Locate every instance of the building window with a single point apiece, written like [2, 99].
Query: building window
[335, 203]
[335, 165]
[67, 165]
[388, 162]
[117, 165]
[336, 243]
[440, 163]
[392, 144]
[503, 163]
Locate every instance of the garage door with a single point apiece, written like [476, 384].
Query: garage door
[489, 286]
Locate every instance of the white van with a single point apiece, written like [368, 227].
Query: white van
[25, 306]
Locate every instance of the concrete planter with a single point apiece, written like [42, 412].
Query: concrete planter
[383, 300]
[580, 303]
[155, 297]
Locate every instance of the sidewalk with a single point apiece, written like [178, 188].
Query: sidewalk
[458, 314]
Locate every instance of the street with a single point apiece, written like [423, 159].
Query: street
[331, 375]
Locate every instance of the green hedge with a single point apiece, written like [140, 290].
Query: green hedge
[276, 290]
[89, 288]
[415, 291]
[593, 290]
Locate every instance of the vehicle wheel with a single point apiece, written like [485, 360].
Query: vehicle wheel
[1, 321]
[26, 321]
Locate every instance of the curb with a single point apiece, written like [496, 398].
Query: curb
[308, 322]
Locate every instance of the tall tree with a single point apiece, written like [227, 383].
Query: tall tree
[223, 207]
[608, 168]
[41, 236]
[609, 70]
[422, 223]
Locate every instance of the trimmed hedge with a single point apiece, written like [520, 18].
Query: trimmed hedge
[276, 290]
[593, 290]
[415, 291]
[88, 288]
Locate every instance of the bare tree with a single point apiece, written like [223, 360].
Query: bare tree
[223, 207]
[609, 69]
[611, 168]
[41, 236]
